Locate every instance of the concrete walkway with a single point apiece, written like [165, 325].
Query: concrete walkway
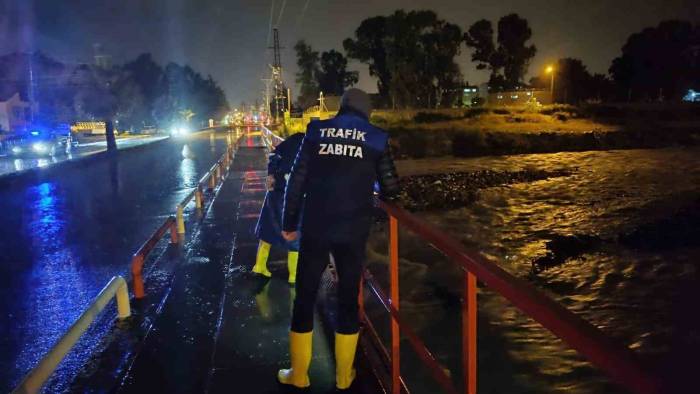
[222, 329]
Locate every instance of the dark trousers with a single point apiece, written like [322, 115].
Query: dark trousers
[313, 258]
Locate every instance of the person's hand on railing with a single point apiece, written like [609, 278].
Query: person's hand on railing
[290, 236]
[270, 182]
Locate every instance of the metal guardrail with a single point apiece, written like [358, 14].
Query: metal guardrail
[270, 139]
[35, 379]
[616, 360]
[146, 249]
[211, 179]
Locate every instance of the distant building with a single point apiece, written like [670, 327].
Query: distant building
[519, 97]
[469, 94]
[15, 113]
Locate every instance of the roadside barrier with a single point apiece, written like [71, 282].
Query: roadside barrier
[140, 256]
[210, 180]
[616, 360]
[269, 138]
[115, 288]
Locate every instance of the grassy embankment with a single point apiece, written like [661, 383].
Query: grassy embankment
[557, 128]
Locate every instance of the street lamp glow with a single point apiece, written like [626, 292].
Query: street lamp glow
[550, 71]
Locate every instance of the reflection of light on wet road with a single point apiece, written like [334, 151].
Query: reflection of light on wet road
[19, 164]
[188, 172]
[55, 277]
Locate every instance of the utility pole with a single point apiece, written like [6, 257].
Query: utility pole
[280, 90]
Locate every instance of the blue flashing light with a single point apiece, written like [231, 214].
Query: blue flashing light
[692, 96]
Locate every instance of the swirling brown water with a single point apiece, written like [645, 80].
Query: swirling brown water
[641, 292]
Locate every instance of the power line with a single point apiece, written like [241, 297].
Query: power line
[269, 29]
[302, 14]
[279, 19]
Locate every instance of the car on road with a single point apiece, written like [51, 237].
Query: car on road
[39, 143]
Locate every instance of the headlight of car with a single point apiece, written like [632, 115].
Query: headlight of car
[16, 150]
[40, 147]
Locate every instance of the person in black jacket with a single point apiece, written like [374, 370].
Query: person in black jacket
[269, 227]
[333, 179]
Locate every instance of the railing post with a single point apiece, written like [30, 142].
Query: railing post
[174, 238]
[212, 181]
[136, 267]
[394, 283]
[123, 307]
[180, 220]
[198, 197]
[469, 333]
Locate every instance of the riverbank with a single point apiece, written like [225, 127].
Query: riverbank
[548, 129]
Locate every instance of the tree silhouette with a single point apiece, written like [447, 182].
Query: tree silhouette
[411, 54]
[333, 76]
[509, 57]
[660, 62]
[307, 61]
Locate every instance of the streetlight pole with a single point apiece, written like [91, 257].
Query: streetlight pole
[550, 70]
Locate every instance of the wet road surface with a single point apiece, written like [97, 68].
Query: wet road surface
[62, 238]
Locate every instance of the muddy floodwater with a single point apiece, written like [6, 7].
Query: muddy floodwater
[611, 235]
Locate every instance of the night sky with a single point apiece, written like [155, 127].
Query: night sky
[228, 38]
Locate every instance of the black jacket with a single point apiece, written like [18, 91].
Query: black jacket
[333, 177]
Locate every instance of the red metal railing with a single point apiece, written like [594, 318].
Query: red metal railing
[146, 249]
[619, 362]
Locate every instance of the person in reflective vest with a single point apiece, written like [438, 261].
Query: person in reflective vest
[333, 179]
[269, 227]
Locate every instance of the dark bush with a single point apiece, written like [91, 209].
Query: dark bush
[605, 111]
[468, 143]
[561, 117]
[413, 144]
[474, 112]
[430, 117]
[501, 111]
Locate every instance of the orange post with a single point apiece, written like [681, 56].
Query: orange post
[469, 333]
[136, 267]
[394, 283]
[199, 197]
[173, 234]
[212, 181]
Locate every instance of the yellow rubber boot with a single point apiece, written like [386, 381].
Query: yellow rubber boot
[260, 266]
[300, 354]
[345, 347]
[292, 260]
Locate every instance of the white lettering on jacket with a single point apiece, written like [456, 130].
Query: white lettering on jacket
[353, 134]
[340, 150]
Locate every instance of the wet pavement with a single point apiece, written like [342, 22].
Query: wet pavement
[65, 233]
